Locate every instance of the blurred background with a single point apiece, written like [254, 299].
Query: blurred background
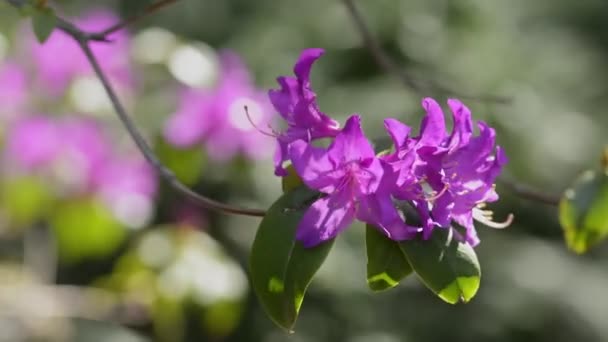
[94, 248]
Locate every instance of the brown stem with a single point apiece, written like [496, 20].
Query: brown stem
[146, 150]
[134, 18]
[386, 63]
[527, 192]
[83, 39]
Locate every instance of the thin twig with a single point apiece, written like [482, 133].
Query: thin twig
[527, 192]
[83, 39]
[386, 63]
[147, 151]
[134, 18]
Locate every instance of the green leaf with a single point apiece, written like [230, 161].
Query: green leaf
[281, 268]
[43, 21]
[583, 211]
[445, 265]
[26, 200]
[292, 180]
[85, 229]
[386, 264]
[382, 145]
[187, 164]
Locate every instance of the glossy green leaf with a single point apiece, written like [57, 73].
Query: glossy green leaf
[446, 266]
[583, 211]
[292, 180]
[85, 229]
[386, 264]
[281, 268]
[43, 21]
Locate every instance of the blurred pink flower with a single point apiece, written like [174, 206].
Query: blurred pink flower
[77, 156]
[59, 60]
[217, 118]
[32, 142]
[13, 90]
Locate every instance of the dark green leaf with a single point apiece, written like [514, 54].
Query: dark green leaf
[446, 266]
[281, 268]
[583, 211]
[43, 21]
[386, 264]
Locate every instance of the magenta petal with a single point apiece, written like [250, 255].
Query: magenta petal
[325, 219]
[351, 144]
[314, 167]
[305, 62]
[398, 131]
[285, 98]
[463, 125]
[379, 211]
[432, 130]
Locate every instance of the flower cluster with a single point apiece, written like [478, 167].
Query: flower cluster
[217, 117]
[444, 177]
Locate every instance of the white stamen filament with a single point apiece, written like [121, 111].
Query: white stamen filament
[482, 216]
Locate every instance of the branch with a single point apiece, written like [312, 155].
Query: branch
[527, 192]
[134, 18]
[386, 63]
[83, 39]
[147, 151]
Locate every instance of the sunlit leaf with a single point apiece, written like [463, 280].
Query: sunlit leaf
[386, 264]
[445, 265]
[281, 268]
[583, 211]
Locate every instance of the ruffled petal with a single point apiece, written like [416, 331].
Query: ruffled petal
[432, 130]
[325, 219]
[379, 211]
[351, 144]
[305, 62]
[314, 167]
[463, 125]
[398, 131]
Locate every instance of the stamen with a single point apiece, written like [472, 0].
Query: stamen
[436, 196]
[479, 216]
[273, 134]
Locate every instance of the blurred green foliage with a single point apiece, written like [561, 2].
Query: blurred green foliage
[548, 56]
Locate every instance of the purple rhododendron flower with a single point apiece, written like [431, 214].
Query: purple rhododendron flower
[218, 117]
[446, 177]
[351, 178]
[13, 90]
[296, 103]
[59, 60]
